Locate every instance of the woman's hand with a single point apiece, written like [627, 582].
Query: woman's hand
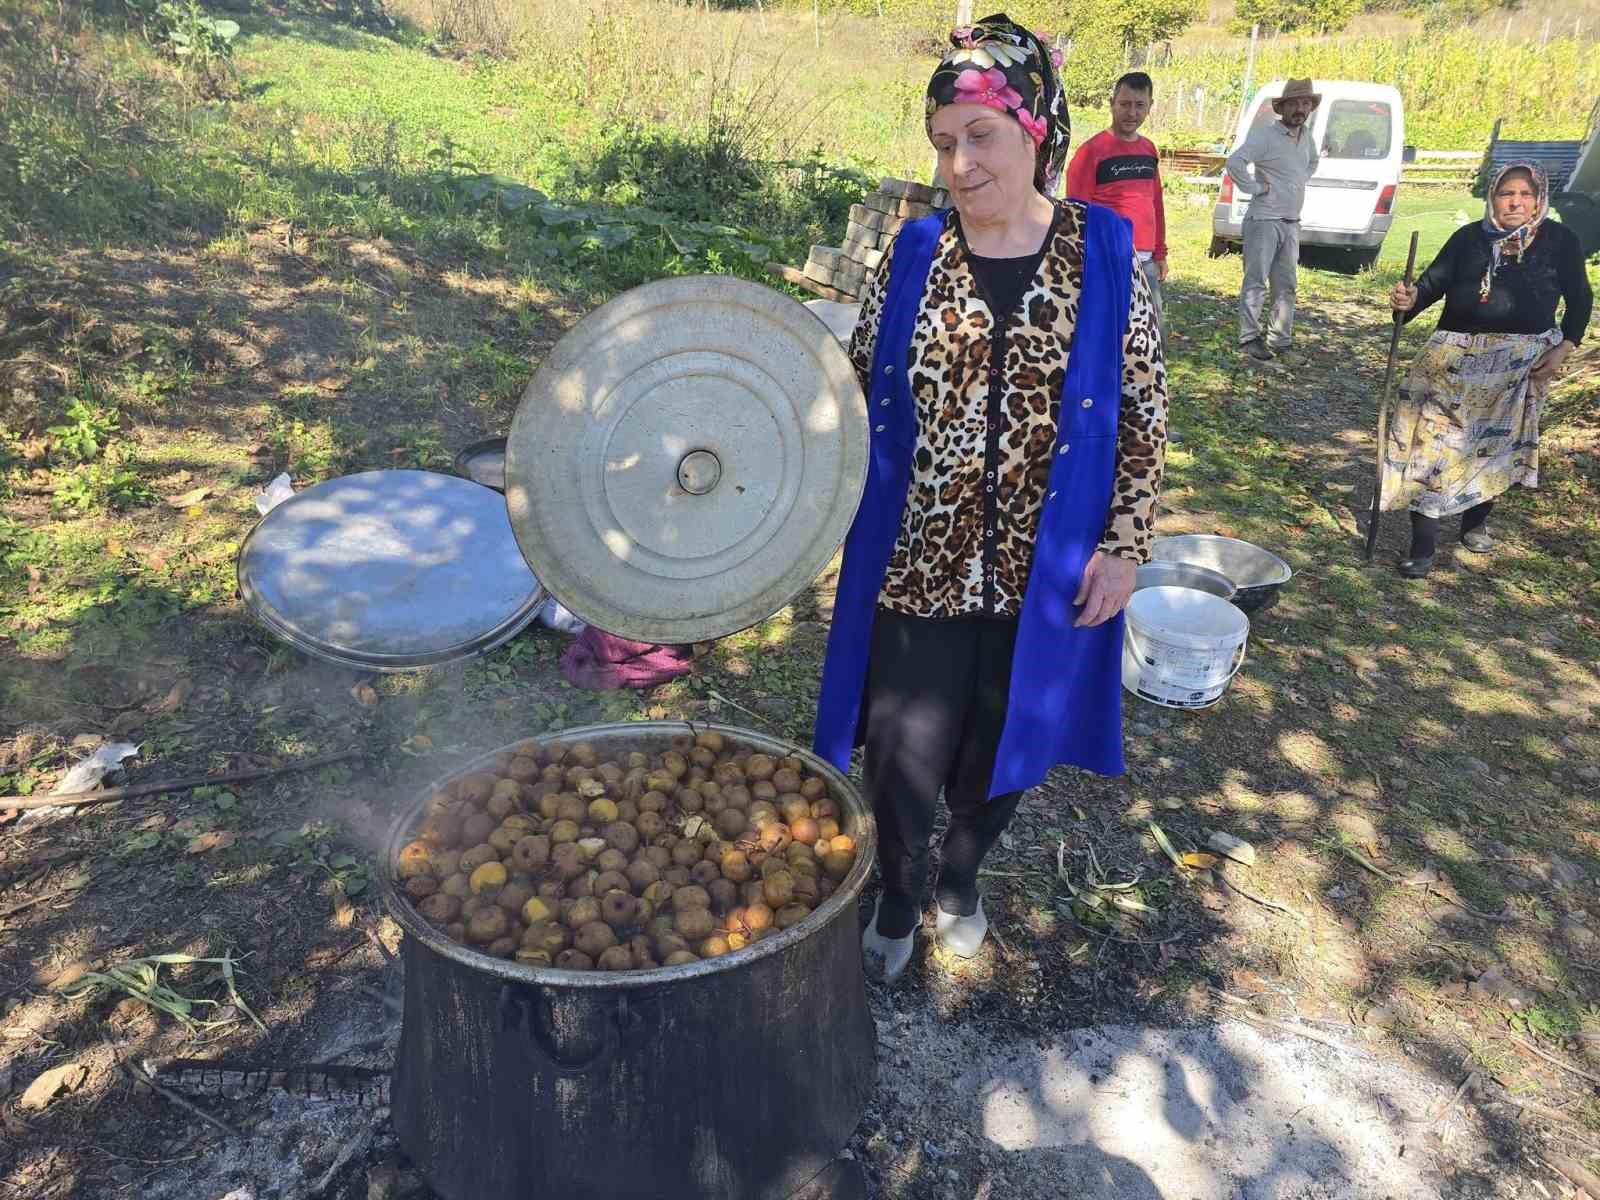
[1403, 297]
[1550, 363]
[1107, 584]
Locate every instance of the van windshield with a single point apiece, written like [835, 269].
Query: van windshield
[1357, 129]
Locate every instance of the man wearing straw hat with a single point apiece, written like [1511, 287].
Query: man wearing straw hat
[1284, 155]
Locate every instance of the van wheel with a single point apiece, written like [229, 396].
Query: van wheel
[1363, 259]
[1218, 248]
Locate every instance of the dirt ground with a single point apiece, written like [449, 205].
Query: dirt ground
[1415, 767]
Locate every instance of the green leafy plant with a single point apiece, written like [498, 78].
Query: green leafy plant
[202, 45]
[94, 486]
[310, 846]
[141, 979]
[1545, 1022]
[87, 429]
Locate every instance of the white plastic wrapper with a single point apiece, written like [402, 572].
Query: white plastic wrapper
[96, 767]
[555, 615]
[279, 490]
[86, 775]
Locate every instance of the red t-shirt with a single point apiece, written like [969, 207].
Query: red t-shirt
[1126, 177]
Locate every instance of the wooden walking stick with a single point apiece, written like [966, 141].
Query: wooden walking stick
[1383, 406]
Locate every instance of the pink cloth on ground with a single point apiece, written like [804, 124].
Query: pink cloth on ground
[603, 662]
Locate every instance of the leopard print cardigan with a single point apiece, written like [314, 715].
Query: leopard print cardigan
[964, 551]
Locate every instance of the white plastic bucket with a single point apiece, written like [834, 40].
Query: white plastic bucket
[1182, 646]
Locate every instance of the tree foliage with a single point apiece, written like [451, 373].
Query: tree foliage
[1298, 16]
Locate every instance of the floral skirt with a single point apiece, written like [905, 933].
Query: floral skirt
[1467, 424]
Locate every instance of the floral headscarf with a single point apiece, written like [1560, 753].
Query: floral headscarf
[1512, 241]
[1000, 64]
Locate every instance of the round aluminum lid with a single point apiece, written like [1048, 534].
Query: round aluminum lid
[389, 571]
[687, 459]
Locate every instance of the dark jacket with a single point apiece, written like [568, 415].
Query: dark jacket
[1524, 293]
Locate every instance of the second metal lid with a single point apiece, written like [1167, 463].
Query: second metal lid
[389, 571]
[687, 459]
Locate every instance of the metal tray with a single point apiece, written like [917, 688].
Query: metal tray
[389, 571]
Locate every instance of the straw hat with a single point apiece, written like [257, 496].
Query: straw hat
[1294, 90]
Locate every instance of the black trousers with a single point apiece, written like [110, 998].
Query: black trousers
[935, 704]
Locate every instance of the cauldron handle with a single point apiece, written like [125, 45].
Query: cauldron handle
[517, 1006]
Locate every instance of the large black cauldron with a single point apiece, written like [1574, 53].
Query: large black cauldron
[737, 1078]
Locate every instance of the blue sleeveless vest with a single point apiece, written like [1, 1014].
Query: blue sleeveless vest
[1066, 688]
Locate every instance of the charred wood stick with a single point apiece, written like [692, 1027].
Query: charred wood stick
[69, 799]
[312, 1080]
[178, 1098]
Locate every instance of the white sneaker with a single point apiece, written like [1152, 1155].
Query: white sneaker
[885, 959]
[961, 935]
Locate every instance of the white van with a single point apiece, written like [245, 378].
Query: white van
[1360, 132]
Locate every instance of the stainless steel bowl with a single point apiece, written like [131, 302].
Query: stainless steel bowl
[1258, 574]
[1180, 574]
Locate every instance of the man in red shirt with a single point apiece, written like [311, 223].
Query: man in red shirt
[1120, 169]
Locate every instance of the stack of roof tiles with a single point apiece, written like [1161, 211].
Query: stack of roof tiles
[840, 272]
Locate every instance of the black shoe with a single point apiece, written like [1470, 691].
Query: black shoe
[1257, 349]
[1478, 541]
[1416, 568]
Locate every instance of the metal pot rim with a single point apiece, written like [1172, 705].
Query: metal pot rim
[1180, 540]
[1162, 566]
[478, 449]
[846, 894]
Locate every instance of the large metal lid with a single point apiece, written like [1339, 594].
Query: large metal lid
[687, 459]
[389, 570]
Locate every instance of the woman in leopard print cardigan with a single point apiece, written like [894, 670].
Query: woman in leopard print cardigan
[1010, 355]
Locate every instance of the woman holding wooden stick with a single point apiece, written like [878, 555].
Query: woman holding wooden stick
[1467, 426]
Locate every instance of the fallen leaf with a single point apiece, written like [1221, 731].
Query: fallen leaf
[364, 695]
[176, 695]
[52, 1083]
[189, 498]
[1200, 860]
[1229, 846]
[218, 840]
[334, 383]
